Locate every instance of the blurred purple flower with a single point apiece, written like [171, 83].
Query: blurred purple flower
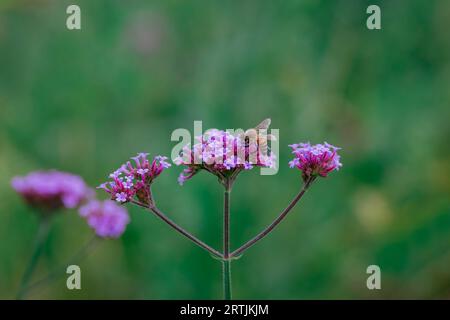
[315, 160]
[134, 180]
[108, 219]
[51, 190]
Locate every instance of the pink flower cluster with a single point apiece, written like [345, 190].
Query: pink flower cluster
[222, 154]
[134, 179]
[315, 160]
[51, 190]
[108, 219]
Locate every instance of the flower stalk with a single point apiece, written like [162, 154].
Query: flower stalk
[76, 258]
[277, 221]
[40, 240]
[226, 242]
[157, 212]
[226, 264]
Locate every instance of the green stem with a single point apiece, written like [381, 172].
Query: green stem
[272, 226]
[177, 228]
[77, 258]
[41, 236]
[226, 243]
[227, 279]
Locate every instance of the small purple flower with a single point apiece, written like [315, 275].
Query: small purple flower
[108, 219]
[121, 197]
[163, 161]
[51, 190]
[127, 184]
[248, 166]
[115, 174]
[142, 171]
[133, 181]
[187, 174]
[315, 160]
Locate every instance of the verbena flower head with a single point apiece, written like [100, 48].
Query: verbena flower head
[224, 155]
[133, 179]
[315, 160]
[108, 219]
[51, 190]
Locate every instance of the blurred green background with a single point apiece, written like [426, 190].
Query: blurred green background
[85, 101]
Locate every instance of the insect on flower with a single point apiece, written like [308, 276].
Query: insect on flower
[259, 135]
[225, 154]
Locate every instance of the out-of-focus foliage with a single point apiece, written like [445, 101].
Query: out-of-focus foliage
[84, 101]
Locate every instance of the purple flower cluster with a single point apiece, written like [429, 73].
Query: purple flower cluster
[134, 180]
[108, 219]
[315, 160]
[51, 190]
[222, 154]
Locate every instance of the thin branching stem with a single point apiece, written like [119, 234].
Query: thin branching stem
[179, 229]
[270, 227]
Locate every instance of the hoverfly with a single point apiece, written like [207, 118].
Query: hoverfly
[261, 138]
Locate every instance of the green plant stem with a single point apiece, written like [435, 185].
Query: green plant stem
[179, 229]
[41, 237]
[226, 279]
[270, 227]
[226, 244]
[76, 258]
